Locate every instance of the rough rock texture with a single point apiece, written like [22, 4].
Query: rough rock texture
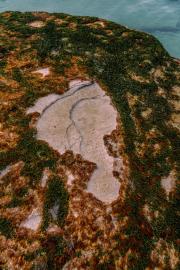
[89, 146]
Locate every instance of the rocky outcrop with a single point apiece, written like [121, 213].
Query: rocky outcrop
[78, 120]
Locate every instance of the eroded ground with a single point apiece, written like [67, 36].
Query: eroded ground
[78, 121]
[86, 102]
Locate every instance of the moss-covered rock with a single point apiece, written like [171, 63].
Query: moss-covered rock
[143, 82]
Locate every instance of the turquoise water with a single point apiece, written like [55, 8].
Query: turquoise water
[159, 17]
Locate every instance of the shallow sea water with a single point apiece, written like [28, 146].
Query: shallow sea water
[158, 17]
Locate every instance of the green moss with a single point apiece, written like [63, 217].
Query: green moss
[21, 28]
[15, 202]
[50, 40]
[2, 64]
[6, 227]
[17, 75]
[56, 195]
[110, 60]
[36, 155]
[30, 256]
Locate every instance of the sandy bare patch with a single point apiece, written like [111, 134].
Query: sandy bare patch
[78, 83]
[175, 120]
[146, 113]
[33, 221]
[97, 24]
[42, 71]
[45, 177]
[169, 183]
[70, 178]
[5, 171]
[42, 103]
[37, 24]
[78, 121]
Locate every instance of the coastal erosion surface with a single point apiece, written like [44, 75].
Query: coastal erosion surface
[78, 120]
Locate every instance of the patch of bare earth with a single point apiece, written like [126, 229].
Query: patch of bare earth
[84, 127]
[76, 121]
[169, 183]
[43, 72]
[37, 24]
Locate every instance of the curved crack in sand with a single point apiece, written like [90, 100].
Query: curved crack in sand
[78, 121]
[73, 108]
[72, 91]
[46, 102]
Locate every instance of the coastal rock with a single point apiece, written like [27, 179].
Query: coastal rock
[89, 127]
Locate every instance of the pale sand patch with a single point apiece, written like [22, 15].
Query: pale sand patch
[37, 24]
[145, 114]
[33, 221]
[94, 119]
[43, 72]
[161, 92]
[42, 103]
[78, 121]
[46, 101]
[175, 120]
[169, 183]
[5, 171]
[70, 178]
[53, 229]
[45, 176]
[77, 82]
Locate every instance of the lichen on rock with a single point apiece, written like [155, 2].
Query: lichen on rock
[89, 155]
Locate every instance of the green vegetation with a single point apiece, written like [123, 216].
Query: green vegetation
[112, 60]
[30, 256]
[56, 196]
[36, 154]
[6, 227]
[18, 198]
[53, 248]
[15, 202]
[112, 68]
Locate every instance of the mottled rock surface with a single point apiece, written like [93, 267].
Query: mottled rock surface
[89, 146]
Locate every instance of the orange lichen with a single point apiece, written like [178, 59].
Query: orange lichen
[8, 138]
